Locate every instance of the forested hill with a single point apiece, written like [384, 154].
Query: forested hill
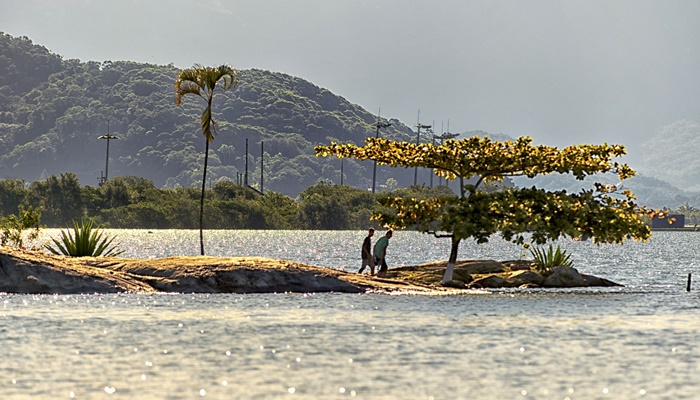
[53, 110]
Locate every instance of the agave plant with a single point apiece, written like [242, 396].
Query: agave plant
[86, 241]
[545, 260]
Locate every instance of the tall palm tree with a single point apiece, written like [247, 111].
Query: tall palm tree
[203, 82]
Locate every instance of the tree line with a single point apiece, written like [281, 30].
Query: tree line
[135, 202]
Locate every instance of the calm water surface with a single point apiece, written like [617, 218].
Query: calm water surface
[640, 341]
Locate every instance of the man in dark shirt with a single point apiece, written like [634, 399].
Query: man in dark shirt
[367, 258]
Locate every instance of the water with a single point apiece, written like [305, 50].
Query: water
[639, 341]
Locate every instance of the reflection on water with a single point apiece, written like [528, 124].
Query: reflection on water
[498, 345]
[639, 341]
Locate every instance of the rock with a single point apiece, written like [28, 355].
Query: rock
[460, 275]
[35, 272]
[462, 267]
[478, 267]
[564, 277]
[488, 282]
[522, 278]
[570, 277]
[597, 281]
[519, 265]
[454, 284]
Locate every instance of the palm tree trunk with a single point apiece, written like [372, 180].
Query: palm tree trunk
[452, 261]
[201, 203]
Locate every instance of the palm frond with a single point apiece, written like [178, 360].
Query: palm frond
[186, 87]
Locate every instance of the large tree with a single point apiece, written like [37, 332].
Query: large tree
[203, 81]
[605, 214]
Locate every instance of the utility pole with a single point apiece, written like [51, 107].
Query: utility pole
[443, 137]
[442, 130]
[245, 178]
[108, 136]
[419, 126]
[433, 170]
[262, 165]
[379, 124]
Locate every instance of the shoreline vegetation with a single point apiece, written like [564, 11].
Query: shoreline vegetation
[35, 272]
[136, 203]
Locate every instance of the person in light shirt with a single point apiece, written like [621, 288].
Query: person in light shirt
[380, 253]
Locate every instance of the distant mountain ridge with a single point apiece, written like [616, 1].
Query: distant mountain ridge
[673, 155]
[649, 191]
[53, 110]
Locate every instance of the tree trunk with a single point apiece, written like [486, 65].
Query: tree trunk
[201, 203]
[452, 261]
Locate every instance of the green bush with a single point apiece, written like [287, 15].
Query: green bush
[86, 241]
[14, 226]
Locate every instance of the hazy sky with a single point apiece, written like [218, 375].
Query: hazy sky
[561, 71]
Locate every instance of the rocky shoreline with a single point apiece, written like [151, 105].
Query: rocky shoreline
[35, 272]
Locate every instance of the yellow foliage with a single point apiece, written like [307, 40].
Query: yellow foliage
[512, 213]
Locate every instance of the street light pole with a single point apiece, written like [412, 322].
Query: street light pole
[379, 124]
[108, 136]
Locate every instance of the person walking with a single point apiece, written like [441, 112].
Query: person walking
[380, 253]
[367, 258]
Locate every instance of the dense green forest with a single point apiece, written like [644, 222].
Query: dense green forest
[134, 202]
[53, 110]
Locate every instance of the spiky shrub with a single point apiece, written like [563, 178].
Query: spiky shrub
[546, 260]
[86, 241]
